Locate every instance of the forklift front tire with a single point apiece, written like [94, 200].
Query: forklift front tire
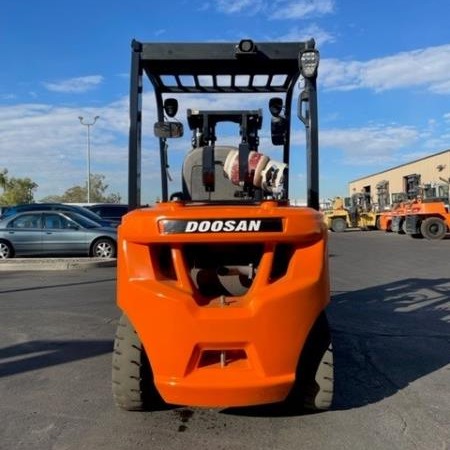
[338, 225]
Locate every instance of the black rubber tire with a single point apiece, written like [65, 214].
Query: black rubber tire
[103, 248]
[314, 383]
[338, 225]
[132, 378]
[378, 223]
[433, 228]
[6, 250]
[417, 235]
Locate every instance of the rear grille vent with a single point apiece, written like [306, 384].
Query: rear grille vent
[162, 262]
[281, 260]
[223, 270]
[219, 270]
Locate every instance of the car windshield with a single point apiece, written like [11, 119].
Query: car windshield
[84, 221]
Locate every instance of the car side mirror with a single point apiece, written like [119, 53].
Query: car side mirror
[168, 129]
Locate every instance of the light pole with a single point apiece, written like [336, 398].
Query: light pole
[88, 152]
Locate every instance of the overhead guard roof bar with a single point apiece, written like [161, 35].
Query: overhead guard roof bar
[198, 59]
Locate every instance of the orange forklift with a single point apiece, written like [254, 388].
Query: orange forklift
[223, 284]
[395, 214]
[412, 192]
[429, 217]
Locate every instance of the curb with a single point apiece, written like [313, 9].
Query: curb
[55, 263]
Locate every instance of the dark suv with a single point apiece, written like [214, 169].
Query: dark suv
[25, 207]
[109, 211]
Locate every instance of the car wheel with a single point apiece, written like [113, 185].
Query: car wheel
[132, 378]
[314, 380]
[103, 248]
[6, 250]
[433, 228]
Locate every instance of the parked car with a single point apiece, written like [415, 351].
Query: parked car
[109, 211]
[55, 233]
[25, 207]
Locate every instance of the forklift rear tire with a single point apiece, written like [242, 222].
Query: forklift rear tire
[314, 384]
[132, 379]
[433, 228]
[338, 225]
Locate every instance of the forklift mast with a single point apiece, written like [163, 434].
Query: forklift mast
[200, 68]
[382, 195]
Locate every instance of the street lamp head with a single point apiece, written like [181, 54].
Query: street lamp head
[88, 124]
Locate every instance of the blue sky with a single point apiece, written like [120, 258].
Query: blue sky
[384, 82]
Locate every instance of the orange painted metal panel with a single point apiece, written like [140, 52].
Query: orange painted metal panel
[227, 350]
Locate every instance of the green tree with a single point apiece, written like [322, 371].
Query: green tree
[3, 178]
[78, 194]
[16, 190]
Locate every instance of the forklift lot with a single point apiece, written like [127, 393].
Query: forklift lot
[390, 318]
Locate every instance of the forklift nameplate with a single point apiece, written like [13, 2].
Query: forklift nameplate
[222, 226]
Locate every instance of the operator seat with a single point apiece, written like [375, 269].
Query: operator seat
[193, 188]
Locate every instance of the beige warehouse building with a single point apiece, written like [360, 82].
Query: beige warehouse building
[429, 172]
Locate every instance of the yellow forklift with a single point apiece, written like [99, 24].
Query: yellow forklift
[337, 216]
[351, 212]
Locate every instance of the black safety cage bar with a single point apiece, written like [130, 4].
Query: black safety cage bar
[191, 68]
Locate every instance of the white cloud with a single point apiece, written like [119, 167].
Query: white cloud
[302, 34]
[301, 9]
[8, 96]
[429, 67]
[278, 9]
[375, 145]
[238, 6]
[441, 88]
[75, 85]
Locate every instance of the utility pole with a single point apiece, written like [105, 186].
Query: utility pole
[88, 152]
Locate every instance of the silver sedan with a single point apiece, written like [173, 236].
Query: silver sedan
[54, 233]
